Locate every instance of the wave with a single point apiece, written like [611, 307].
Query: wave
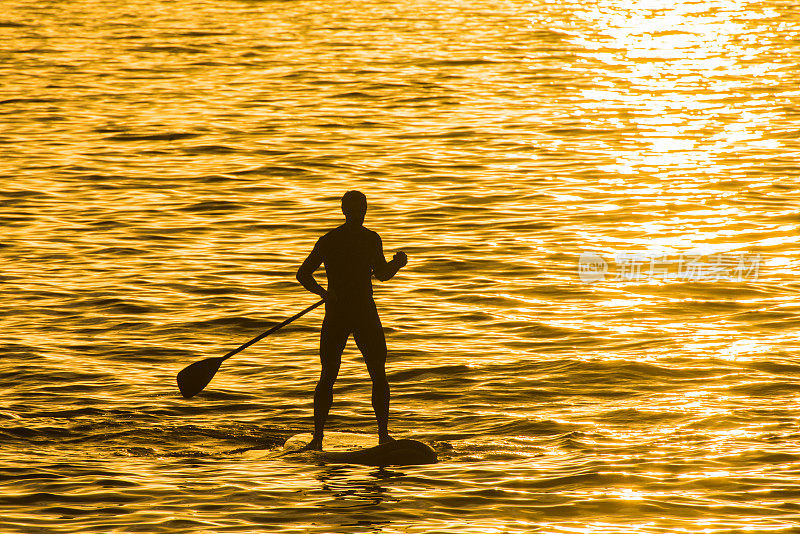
[213, 205]
[166, 136]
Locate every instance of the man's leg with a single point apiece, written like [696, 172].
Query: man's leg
[369, 337]
[332, 340]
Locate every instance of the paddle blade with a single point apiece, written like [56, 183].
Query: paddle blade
[195, 377]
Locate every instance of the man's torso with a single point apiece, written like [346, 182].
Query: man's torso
[349, 254]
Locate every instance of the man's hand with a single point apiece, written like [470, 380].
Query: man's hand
[329, 297]
[384, 270]
[400, 258]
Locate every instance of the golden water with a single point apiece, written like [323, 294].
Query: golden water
[166, 166]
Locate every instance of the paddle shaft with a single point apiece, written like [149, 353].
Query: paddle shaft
[271, 330]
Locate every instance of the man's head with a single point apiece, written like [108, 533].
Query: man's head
[354, 206]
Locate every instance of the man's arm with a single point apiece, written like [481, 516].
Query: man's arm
[384, 270]
[305, 273]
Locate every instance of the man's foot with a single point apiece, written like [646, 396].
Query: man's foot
[314, 445]
[386, 438]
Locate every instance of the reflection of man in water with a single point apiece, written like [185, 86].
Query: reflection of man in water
[351, 254]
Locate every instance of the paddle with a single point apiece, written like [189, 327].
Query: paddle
[193, 378]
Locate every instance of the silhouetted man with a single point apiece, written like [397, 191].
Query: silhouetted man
[351, 254]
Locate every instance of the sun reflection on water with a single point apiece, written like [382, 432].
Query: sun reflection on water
[671, 60]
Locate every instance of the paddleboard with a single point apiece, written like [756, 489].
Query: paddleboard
[351, 448]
